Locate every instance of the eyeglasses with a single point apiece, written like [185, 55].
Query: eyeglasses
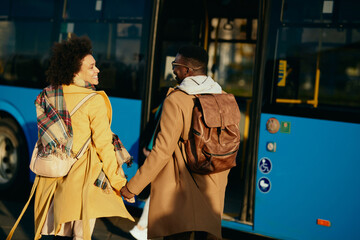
[174, 64]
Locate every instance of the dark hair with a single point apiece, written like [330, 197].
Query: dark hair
[195, 54]
[66, 60]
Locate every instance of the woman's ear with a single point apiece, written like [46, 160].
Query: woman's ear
[76, 76]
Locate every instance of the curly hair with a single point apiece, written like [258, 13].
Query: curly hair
[66, 60]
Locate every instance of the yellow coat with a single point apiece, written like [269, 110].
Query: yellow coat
[177, 204]
[75, 195]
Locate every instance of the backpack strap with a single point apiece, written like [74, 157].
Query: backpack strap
[181, 140]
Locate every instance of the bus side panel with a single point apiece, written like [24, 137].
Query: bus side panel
[126, 124]
[22, 109]
[314, 176]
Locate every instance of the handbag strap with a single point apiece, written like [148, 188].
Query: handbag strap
[86, 144]
[82, 102]
[83, 149]
[36, 181]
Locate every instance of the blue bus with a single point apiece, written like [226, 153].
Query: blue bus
[28, 30]
[294, 67]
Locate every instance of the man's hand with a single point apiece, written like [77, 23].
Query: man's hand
[127, 195]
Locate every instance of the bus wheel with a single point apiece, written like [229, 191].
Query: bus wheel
[14, 173]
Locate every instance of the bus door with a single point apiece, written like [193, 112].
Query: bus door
[308, 155]
[232, 45]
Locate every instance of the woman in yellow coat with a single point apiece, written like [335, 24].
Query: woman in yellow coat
[68, 206]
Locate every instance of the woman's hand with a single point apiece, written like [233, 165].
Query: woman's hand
[127, 195]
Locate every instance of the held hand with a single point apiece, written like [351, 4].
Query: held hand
[127, 195]
[146, 152]
[131, 200]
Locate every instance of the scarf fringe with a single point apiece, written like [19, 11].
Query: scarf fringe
[59, 153]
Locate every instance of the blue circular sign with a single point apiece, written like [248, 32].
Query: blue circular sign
[265, 165]
[264, 185]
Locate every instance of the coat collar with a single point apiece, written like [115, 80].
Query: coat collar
[72, 88]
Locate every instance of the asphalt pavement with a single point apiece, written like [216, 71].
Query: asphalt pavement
[105, 228]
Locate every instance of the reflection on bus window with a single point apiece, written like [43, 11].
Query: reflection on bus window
[232, 53]
[302, 11]
[96, 9]
[333, 53]
[228, 29]
[115, 29]
[36, 9]
[117, 53]
[236, 62]
[254, 29]
[24, 52]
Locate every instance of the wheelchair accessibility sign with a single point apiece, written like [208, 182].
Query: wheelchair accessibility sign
[264, 185]
[265, 165]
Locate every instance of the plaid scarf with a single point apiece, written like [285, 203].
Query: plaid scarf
[122, 156]
[54, 122]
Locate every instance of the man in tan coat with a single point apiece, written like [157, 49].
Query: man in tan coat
[181, 203]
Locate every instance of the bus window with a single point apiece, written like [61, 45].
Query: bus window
[117, 52]
[302, 11]
[90, 9]
[235, 71]
[24, 52]
[115, 29]
[346, 12]
[34, 9]
[124, 9]
[231, 54]
[318, 67]
[296, 54]
[228, 29]
[5, 8]
[100, 9]
[340, 70]
[174, 32]
[7, 47]
[315, 66]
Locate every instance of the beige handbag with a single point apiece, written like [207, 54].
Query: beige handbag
[53, 165]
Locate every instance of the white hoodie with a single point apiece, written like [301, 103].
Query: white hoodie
[199, 85]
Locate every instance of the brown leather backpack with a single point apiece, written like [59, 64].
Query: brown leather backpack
[215, 136]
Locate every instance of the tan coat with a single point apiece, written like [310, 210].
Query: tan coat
[177, 204]
[75, 196]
